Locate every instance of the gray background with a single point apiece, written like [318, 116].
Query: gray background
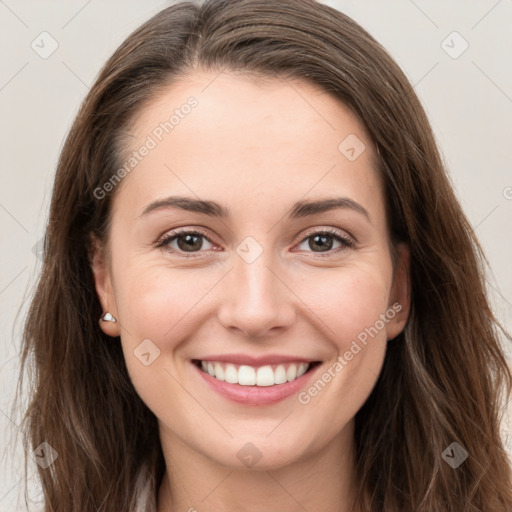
[468, 98]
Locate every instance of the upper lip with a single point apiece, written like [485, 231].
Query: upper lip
[244, 359]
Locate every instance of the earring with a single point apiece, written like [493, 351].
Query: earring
[107, 317]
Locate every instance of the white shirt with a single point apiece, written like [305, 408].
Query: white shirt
[146, 492]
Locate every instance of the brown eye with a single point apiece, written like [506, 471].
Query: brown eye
[322, 241]
[325, 241]
[190, 242]
[185, 242]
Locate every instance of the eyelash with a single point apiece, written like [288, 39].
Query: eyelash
[169, 237]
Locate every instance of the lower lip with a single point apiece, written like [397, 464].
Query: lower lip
[256, 395]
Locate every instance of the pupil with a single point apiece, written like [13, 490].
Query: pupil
[188, 243]
[320, 240]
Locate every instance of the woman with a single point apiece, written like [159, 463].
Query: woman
[259, 291]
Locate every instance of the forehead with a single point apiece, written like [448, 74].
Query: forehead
[239, 138]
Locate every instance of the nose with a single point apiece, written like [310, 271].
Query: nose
[256, 301]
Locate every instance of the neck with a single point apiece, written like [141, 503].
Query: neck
[321, 481]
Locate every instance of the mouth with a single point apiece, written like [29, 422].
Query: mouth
[268, 375]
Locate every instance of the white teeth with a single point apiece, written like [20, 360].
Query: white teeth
[219, 371]
[302, 369]
[265, 376]
[231, 374]
[248, 376]
[291, 373]
[280, 375]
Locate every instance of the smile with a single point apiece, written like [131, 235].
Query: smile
[245, 375]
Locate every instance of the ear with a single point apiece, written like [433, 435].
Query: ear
[100, 266]
[400, 294]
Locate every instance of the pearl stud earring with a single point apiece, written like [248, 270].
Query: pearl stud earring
[107, 317]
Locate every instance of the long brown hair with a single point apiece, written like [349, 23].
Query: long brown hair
[443, 376]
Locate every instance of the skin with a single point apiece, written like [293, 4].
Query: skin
[256, 147]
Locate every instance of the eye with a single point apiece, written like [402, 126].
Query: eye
[184, 241]
[325, 241]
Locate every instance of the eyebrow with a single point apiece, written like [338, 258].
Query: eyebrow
[300, 209]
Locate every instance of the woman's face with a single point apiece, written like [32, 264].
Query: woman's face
[287, 262]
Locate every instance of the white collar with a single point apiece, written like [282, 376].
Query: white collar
[145, 490]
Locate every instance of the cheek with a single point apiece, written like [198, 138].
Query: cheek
[158, 309]
[159, 303]
[348, 301]
[351, 304]
[164, 306]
